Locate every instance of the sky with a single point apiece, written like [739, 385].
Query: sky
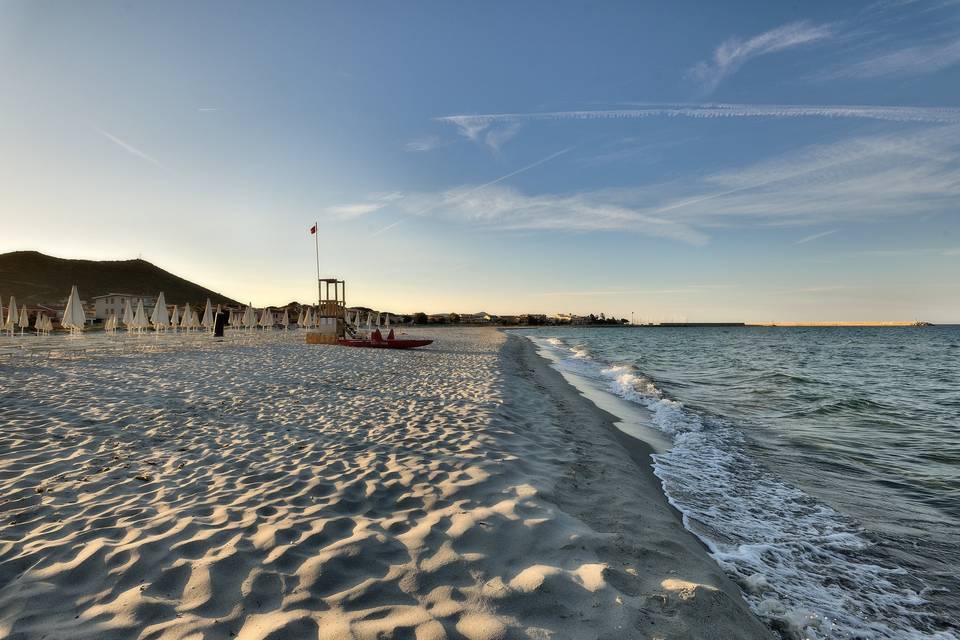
[698, 161]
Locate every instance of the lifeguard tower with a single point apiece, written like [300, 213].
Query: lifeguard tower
[331, 310]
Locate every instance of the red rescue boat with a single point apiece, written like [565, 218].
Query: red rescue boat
[396, 343]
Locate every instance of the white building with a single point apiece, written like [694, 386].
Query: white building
[112, 304]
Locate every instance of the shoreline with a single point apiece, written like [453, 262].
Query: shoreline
[678, 589]
[260, 488]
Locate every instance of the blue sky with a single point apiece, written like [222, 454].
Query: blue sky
[684, 160]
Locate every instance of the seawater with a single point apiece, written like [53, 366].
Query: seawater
[820, 466]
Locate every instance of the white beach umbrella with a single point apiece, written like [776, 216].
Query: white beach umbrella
[369, 320]
[38, 322]
[12, 317]
[249, 318]
[300, 318]
[387, 324]
[74, 317]
[285, 319]
[175, 318]
[1, 311]
[140, 317]
[47, 324]
[185, 322]
[207, 321]
[159, 318]
[127, 314]
[24, 320]
[266, 318]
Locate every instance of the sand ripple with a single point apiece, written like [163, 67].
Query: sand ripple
[261, 488]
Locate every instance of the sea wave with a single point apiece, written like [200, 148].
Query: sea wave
[804, 568]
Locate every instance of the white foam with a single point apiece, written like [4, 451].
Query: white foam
[803, 567]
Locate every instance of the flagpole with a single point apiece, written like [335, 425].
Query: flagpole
[316, 241]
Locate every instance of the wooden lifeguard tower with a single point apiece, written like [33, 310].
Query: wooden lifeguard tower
[331, 312]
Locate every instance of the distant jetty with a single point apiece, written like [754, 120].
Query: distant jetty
[911, 323]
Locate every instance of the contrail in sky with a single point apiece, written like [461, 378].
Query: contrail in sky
[128, 147]
[460, 196]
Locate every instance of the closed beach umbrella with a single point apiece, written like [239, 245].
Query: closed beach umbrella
[185, 320]
[175, 318]
[266, 318]
[285, 319]
[24, 320]
[38, 323]
[207, 321]
[127, 314]
[140, 317]
[1, 311]
[159, 318]
[12, 318]
[300, 318]
[74, 317]
[249, 319]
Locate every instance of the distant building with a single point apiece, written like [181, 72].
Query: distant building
[481, 317]
[113, 303]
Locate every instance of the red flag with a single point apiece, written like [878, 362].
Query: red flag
[313, 229]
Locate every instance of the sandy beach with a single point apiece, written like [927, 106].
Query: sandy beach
[176, 487]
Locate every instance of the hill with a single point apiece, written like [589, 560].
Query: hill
[35, 278]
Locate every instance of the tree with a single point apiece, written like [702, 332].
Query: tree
[454, 318]
[420, 318]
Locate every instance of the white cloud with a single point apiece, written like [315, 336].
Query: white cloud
[816, 236]
[914, 60]
[506, 209]
[356, 210]
[373, 203]
[498, 136]
[733, 53]
[473, 126]
[865, 178]
[426, 143]
[860, 179]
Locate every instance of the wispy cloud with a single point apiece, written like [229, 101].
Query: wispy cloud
[356, 210]
[209, 109]
[734, 53]
[506, 209]
[129, 148]
[860, 179]
[425, 143]
[473, 125]
[911, 60]
[912, 253]
[426, 207]
[372, 204]
[816, 236]
[498, 136]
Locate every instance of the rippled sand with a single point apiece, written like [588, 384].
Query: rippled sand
[176, 487]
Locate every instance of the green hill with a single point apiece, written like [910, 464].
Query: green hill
[35, 278]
